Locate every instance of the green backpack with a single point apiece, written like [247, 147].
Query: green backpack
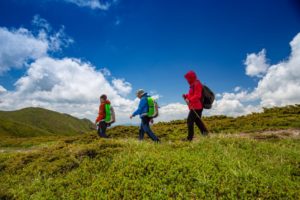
[153, 108]
[110, 116]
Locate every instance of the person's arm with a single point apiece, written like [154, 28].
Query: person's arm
[142, 105]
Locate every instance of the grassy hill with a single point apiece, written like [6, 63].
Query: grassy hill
[251, 157]
[38, 121]
[277, 118]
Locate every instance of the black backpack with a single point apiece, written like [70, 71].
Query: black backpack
[208, 97]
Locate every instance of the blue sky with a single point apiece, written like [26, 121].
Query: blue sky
[153, 43]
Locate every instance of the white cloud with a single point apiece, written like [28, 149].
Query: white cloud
[256, 64]
[2, 89]
[72, 86]
[65, 85]
[19, 46]
[123, 87]
[172, 111]
[234, 104]
[93, 4]
[279, 85]
[41, 23]
[14, 55]
[105, 72]
[238, 88]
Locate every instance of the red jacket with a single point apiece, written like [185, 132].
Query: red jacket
[101, 114]
[195, 94]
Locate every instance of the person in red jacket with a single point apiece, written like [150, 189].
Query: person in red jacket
[194, 101]
[100, 121]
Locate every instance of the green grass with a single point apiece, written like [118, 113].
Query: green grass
[276, 118]
[30, 122]
[221, 166]
[216, 167]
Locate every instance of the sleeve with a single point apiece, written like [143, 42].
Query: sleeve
[142, 104]
[101, 114]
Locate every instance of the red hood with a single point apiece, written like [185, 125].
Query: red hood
[191, 77]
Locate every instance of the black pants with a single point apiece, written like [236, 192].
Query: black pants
[145, 127]
[193, 118]
[102, 129]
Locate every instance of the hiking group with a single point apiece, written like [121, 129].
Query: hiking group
[198, 98]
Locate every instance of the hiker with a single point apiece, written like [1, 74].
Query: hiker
[105, 117]
[194, 102]
[146, 114]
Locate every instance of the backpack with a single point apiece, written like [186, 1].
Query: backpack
[110, 116]
[153, 108]
[208, 97]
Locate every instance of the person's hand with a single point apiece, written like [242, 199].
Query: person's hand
[184, 96]
[187, 101]
[151, 121]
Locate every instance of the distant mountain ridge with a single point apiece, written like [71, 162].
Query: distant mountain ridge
[39, 121]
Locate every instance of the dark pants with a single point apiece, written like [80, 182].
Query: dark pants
[102, 129]
[145, 127]
[193, 118]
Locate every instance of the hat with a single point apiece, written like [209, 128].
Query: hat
[140, 92]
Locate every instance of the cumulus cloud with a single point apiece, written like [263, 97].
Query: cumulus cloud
[234, 104]
[14, 55]
[72, 86]
[279, 85]
[19, 46]
[93, 4]
[66, 85]
[172, 111]
[122, 86]
[256, 64]
[2, 89]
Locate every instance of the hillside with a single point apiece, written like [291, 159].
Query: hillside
[277, 118]
[38, 121]
[250, 157]
[85, 167]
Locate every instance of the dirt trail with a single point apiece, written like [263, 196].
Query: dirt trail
[265, 135]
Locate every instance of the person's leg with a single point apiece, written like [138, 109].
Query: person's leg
[102, 129]
[99, 130]
[141, 132]
[200, 123]
[190, 124]
[147, 129]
